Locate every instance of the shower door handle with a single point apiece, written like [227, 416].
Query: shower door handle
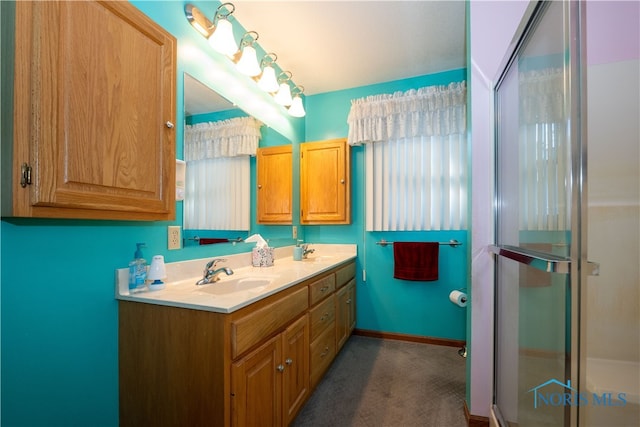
[540, 260]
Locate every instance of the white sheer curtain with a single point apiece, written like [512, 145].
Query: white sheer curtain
[217, 193]
[416, 158]
[545, 184]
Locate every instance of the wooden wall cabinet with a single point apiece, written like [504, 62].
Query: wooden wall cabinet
[275, 185]
[255, 366]
[94, 108]
[325, 187]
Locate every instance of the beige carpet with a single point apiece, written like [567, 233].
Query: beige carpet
[387, 383]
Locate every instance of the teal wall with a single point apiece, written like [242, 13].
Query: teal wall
[384, 303]
[59, 319]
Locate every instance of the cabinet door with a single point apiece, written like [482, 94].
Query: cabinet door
[95, 88]
[256, 386]
[275, 191]
[296, 362]
[345, 312]
[325, 195]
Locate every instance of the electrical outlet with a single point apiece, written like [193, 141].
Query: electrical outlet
[295, 232]
[173, 237]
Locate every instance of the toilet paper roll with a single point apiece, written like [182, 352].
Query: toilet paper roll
[458, 298]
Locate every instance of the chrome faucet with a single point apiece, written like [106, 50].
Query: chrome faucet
[211, 274]
[306, 251]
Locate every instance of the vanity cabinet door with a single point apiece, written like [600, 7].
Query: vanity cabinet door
[275, 189]
[345, 312]
[271, 383]
[256, 386]
[325, 189]
[296, 374]
[94, 107]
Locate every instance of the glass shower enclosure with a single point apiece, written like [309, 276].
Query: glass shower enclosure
[538, 249]
[567, 348]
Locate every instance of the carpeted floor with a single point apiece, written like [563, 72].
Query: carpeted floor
[388, 383]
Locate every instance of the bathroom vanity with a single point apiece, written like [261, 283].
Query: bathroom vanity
[247, 350]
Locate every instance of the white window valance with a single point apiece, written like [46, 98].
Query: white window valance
[226, 138]
[428, 111]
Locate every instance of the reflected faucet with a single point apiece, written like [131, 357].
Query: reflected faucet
[306, 251]
[211, 273]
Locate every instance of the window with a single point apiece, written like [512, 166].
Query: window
[416, 158]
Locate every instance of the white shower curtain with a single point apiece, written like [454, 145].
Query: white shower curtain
[217, 193]
[416, 158]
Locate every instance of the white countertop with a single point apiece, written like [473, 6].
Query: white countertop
[227, 295]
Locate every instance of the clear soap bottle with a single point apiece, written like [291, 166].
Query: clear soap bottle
[137, 271]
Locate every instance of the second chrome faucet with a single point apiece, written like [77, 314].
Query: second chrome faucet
[211, 273]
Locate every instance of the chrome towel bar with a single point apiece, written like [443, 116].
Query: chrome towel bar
[453, 243]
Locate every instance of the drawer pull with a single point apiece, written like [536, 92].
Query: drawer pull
[349, 301]
[289, 361]
[324, 317]
[324, 289]
[324, 353]
[280, 368]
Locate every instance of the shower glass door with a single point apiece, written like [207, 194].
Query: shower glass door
[538, 227]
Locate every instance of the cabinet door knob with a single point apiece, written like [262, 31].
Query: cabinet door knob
[280, 368]
[169, 124]
[289, 361]
[342, 181]
[259, 186]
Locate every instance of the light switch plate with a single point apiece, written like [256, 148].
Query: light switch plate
[173, 237]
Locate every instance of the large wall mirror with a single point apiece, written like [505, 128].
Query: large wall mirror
[219, 144]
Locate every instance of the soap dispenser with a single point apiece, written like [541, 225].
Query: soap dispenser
[297, 251]
[137, 271]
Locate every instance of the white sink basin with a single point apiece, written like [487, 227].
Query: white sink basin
[320, 258]
[230, 286]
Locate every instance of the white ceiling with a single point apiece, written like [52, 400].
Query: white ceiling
[331, 45]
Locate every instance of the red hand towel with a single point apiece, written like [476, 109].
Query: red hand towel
[416, 260]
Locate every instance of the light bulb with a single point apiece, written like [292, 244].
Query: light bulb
[248, 62]
[283, 96]
[297, 109]
[222, 38]
[268, 81]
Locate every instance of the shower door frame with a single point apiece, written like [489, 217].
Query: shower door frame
[577, 265]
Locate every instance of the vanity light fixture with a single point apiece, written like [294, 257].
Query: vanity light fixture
[247, 62]
[283, 96]
[268, 81]
[297, 109]
[222, 37]
[219, 32]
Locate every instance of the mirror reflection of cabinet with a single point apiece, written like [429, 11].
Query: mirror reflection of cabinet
[325, 188]
[274, 185]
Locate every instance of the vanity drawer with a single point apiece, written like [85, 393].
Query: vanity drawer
[344, 274]
[322, 316]
[253, 328]
[320, 289]
[323, 350]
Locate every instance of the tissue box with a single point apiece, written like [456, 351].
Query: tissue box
[262, 257]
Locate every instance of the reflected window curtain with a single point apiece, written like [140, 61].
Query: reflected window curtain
[415, 158]
[217, 193]
[545, 184]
